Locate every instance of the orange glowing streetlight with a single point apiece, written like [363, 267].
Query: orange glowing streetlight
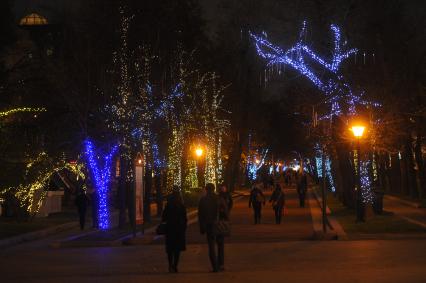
[199, 151]
[358, 131]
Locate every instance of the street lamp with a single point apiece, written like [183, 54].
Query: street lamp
[199, 151]
[358, 132]
[200, 163]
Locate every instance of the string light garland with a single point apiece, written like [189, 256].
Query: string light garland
[21, 109]
[39, 171]
[254, 166]
[101, 174]
[366, 191]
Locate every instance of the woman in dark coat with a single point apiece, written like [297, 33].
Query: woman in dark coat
[174, 215]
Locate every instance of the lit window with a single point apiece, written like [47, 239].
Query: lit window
[33, 20]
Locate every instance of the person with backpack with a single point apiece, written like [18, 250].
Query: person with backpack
[278, 201]
[256, 200]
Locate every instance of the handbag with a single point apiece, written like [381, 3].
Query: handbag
[221, 227]
[161, 229]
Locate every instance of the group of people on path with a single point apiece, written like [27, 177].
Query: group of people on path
[257, 199]
[211, 209]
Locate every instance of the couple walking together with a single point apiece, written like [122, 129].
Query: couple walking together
[257, 199]
[212, 209]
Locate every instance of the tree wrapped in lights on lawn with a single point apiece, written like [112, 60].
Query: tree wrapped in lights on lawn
[191, 110]
[38, 173]
[324, 74]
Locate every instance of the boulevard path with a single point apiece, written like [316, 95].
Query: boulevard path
[296, 223]
[255, 253]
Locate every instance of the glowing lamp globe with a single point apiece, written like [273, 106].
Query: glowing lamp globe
[199, 152]
[358, 131]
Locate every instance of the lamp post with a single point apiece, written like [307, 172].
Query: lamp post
[358, 132]
[138, 193]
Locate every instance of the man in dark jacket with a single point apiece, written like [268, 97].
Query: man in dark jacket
[302, 187]
[256, 200]
[278, 201]
[208, 213]
[81, 202]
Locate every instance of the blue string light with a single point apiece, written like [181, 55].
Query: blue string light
[253, 167]
[329, 175]
[101, 177]
[332, 84]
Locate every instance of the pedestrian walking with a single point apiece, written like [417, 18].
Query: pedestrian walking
[278, 202]
[212, 208]
[81, 201]
[256, 200]
[94, 204]
[226, 196]
[174, 217]
[302, 187]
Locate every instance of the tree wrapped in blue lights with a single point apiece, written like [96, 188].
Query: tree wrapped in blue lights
[328, 79]
[100, 166]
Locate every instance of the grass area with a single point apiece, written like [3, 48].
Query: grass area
[10, 227]
[386, 223]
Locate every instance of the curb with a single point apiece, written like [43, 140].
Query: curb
[337, 233]
[404, 201]
[27, 237]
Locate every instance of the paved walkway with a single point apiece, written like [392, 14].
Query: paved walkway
[296, 223]
[255, 253]
[416, 215]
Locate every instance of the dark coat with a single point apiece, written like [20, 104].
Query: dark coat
[174, 215]
[81, 201]
[255, 195]
[224, 200]
[208, 209]
[302, 185]
[278, 199]
[227, 197]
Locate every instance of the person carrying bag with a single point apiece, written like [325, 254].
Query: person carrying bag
[212, 217]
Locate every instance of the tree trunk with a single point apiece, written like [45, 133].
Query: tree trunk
[411, 174]
[147, 198]
[395, 174]
[420, 166]
[122, 193]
